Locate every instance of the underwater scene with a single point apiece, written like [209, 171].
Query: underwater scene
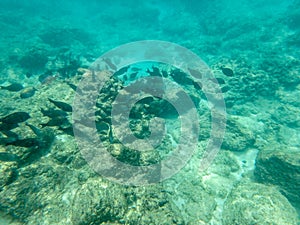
[150, 112]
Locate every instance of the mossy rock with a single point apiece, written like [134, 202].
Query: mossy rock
[288, 115]
[280, 167]
[98, 202]
[238, 136]
[252, 203]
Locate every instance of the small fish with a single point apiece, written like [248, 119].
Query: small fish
[220, 80]
[195, 73]
[121, 71]
[52, 113]
[155, 71]
[57, 121]
[44, 76]
[16, 117]
[150, 72]
[27, 142]
[181, 77]
[9, 157]
[27, 92]
[35, 130]
[62, 105]
[164, 73]
[28, 74]
[48, 77]
[14, 87]
[197, 85]
[227, 71]
[225, 89]
[74, 87]
[110, 64]
[133, 75]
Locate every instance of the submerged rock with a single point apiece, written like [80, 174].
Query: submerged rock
[288, 115]
[101, 202]
[9, 173]
[238, 136]
[280, 167]
[96, 202]
[251, 203]
[181, 77]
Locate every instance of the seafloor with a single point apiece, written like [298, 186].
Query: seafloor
[47, 47]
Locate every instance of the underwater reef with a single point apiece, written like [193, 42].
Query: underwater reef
[252, 49]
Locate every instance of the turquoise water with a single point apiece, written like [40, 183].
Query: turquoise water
[156, 112]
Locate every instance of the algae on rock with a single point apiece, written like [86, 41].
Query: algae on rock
[252, 203]
[280, 167]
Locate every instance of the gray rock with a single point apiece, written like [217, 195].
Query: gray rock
[251, 203]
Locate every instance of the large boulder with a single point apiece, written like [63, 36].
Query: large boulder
[280, 167]
[252, 203]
